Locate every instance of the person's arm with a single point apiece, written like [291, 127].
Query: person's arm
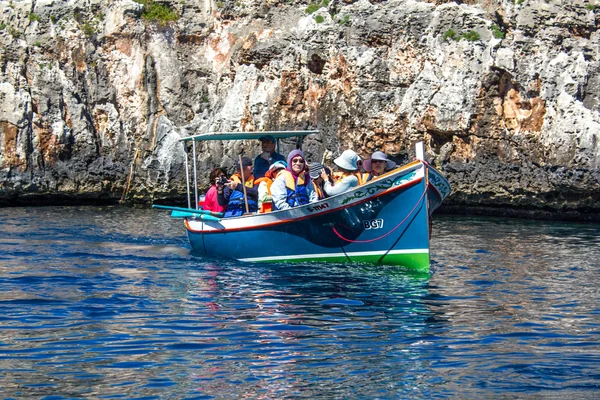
[263, 193]
[223, 194]
[251, 192]
[279, 194]
[341, 186]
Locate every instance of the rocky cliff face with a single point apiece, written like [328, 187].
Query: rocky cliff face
[505, 94]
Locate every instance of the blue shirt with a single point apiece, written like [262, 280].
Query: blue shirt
[261, 166]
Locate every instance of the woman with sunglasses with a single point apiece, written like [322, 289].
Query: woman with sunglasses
[293, 186]
[377, 165]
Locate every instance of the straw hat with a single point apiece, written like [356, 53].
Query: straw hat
[378, 155]
[347, 160]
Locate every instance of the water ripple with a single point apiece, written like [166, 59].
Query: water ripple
[110, 303]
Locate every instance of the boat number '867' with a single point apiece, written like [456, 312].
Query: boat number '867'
[373, 224]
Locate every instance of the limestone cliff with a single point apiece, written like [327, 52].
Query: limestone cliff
[95, 94]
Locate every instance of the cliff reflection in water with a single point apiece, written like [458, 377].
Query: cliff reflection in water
[525, 293]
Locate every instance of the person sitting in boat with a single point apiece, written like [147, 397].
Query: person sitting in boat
[376, 166]
[265, 203]
[318, 182]
[211, 202]
[347, 163]
[231, 194]
[263, 161]
[293, 186]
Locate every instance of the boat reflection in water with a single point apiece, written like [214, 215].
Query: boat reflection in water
[305, 322]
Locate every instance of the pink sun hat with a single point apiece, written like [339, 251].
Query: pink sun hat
[378, 155]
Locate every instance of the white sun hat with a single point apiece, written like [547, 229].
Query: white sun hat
[347, 160]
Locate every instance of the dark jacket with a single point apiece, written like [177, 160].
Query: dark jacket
[261, 166]
[233, 200]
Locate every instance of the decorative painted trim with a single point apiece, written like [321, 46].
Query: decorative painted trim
[328, 255]
[439, 183]
[414, 259]
[382, 184]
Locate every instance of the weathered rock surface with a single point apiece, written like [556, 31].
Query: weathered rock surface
[94, 95]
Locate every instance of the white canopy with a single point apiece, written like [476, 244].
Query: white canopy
[247, 135]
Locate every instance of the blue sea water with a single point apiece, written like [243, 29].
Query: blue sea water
[109, 303]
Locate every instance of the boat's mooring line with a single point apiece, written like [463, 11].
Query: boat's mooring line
[203, 243]
[382, 236]
[345, 254]
[400, 236]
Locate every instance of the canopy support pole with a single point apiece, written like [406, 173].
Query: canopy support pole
[187, 174]
[195, 177]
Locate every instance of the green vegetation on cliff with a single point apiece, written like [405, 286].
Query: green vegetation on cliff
[315, 6]
[497, 32]
[471, 36]
[158, 12]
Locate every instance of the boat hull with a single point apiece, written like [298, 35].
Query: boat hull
[383, 222]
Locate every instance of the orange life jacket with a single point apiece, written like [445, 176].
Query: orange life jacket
[265, 206]
[338, 176]
[238, 178]
[297, 188]
[319, 191]
[366, 177]
[361, 178]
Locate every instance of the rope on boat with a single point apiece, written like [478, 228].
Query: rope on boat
[382, 236]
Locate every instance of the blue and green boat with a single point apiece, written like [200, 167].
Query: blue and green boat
[385, 221]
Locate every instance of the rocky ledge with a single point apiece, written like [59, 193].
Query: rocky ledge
[505, 94]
